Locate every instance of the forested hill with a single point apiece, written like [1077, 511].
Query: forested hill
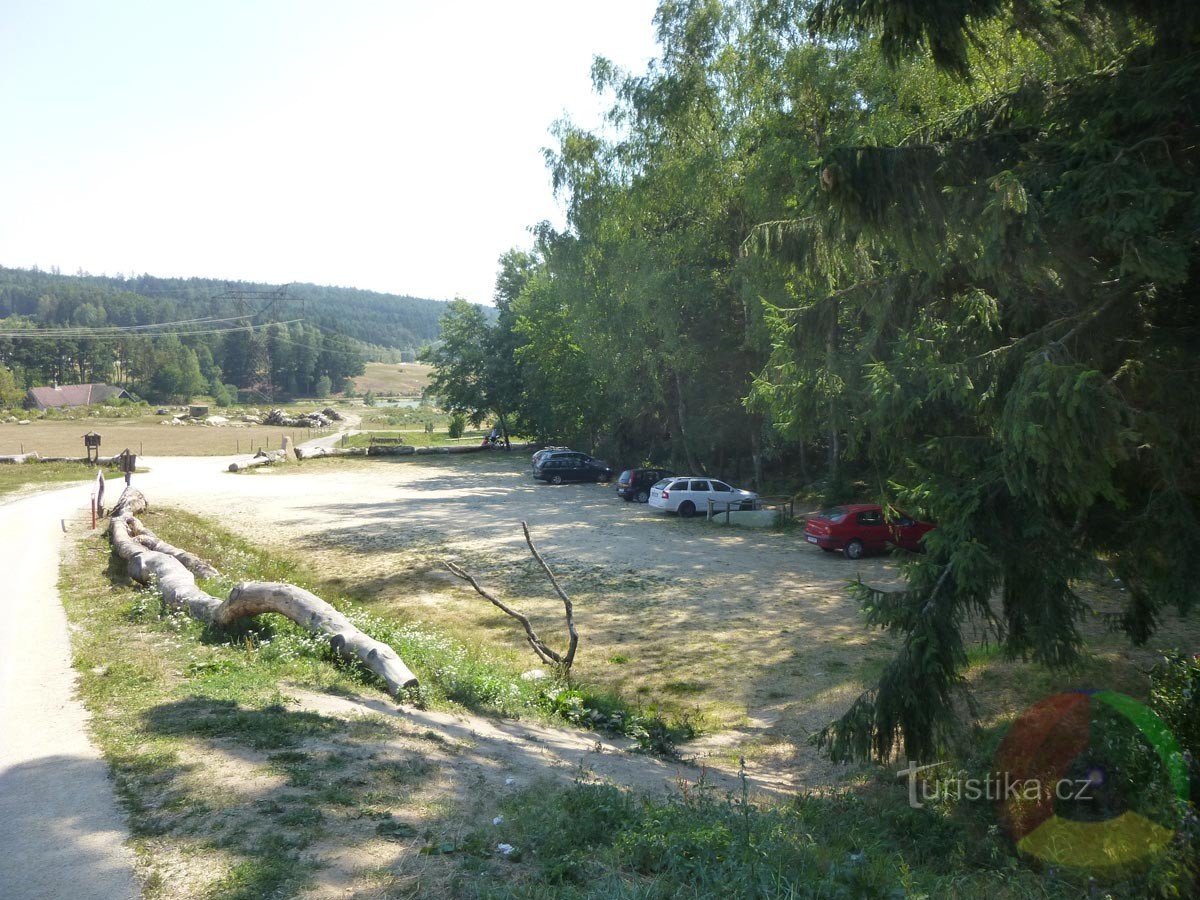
[383, 320]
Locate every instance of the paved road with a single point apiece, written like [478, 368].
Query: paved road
[61, 832]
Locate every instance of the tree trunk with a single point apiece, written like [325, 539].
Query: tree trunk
[831, 340]
[681, 413]
[504, 431]
[171, 571]
[756, 457]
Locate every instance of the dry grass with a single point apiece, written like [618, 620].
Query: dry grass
[404, 380]
[143, 436]
[754, 629]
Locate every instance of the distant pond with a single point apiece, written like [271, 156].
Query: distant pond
[398, 402]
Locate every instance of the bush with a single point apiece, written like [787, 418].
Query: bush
[10, 393]
[369, 398]
[457, 426]
[1175, 697]
[224, 394]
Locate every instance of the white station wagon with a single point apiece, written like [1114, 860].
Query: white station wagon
[689, 494]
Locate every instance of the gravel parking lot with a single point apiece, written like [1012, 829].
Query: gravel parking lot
[754, 629]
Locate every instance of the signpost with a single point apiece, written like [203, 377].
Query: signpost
[91, 446]
[128, 464]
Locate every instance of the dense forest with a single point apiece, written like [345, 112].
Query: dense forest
[943, 256]
[299, 340]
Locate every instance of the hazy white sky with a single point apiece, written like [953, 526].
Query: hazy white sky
[385, 145]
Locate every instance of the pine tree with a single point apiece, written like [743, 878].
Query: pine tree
[1023, 274]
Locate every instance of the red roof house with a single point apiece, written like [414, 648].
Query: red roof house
[64, 395]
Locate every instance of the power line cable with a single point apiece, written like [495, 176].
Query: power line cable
[91, 331]
[153, 334]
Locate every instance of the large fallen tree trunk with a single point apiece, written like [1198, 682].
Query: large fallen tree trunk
[401, 450]
[33, 457]
[150, 560]
[318, 452]
[262, 458]
[19, 458]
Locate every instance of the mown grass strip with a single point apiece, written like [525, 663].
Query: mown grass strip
[14, 478]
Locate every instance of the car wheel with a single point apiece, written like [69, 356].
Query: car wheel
[687, 509]
[643, 497]
[854, 549]
[556, 479]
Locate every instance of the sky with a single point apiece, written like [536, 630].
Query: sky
[393, 146]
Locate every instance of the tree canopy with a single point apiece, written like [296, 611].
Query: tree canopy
[937, 255]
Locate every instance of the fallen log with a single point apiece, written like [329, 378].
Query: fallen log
[318, 452]
[151, 541]
[262, 458]
[168, 569]
[400, 450]
[250, 598]
[391, 450]
[34, 457]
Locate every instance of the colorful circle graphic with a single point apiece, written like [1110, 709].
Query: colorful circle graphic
[1089, 779]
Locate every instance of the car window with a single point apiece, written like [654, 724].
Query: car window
[721, 486]
[699, 486]
[661, 485]
[870, 517]
[833, 514]
[626, 476]
[679, 486]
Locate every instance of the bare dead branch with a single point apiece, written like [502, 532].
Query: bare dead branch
[544, 652]
[567, 605]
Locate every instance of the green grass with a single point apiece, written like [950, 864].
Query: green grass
[170, 697]
[452, 672]
[595, 840]
[26, 475]
[405, 417]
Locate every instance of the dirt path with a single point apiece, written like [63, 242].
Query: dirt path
[530, 752]
[347, 426]
[61, 833]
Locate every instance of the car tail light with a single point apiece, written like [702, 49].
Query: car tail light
[666, 495]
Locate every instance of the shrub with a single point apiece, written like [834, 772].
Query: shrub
[1175, 697]
[224, 394]
[457, 426]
